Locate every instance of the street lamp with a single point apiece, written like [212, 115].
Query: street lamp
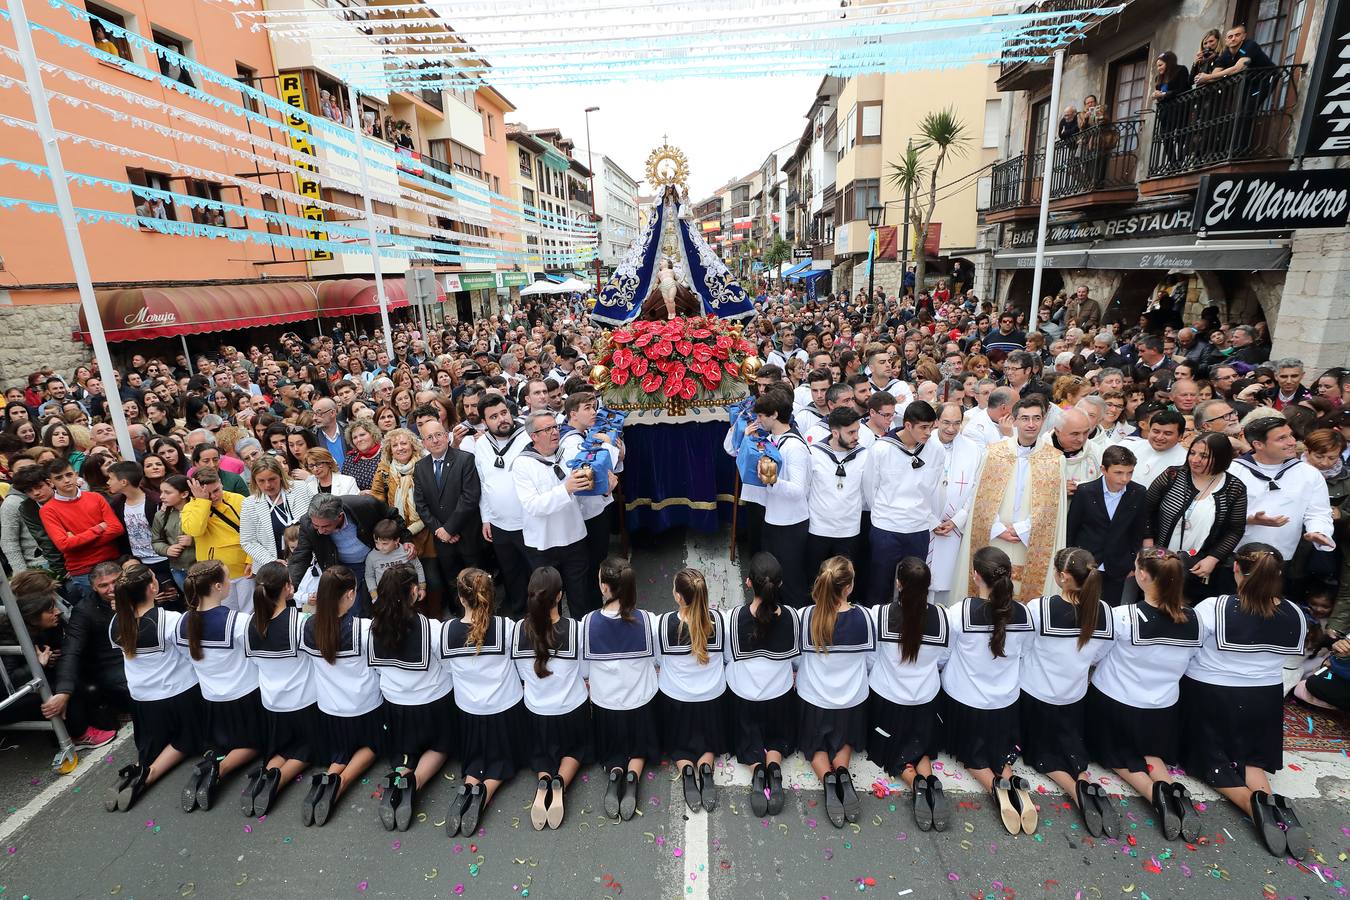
[595, 220]
[874, 214]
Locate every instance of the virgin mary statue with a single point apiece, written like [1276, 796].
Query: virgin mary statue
[669, 299]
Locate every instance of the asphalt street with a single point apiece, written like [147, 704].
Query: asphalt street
[57, 842]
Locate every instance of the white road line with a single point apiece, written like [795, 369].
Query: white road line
[696, 849]
[90, 762]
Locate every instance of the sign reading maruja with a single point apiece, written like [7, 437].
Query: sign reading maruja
[1273, 201]
[144, 318]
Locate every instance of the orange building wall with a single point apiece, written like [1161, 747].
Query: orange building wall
[496, 159]
[32, 245]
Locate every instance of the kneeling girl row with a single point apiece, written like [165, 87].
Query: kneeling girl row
[625, 687]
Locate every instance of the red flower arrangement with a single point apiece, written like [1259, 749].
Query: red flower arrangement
[682, 359]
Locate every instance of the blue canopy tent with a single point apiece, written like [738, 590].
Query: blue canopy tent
[796, 268]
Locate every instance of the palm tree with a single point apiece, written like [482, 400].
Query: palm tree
[944, 132]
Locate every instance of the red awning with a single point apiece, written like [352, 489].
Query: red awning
[356, 296]
[137, 314]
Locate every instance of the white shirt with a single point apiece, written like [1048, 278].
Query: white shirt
[682, 677]
[980, 428]
[1302, 496]
[785, 499]
[565, 687]
[285, 674]
[760, 667]
[498, 503]
[160, 669]
[835, 501]
[486, 681]
[1054, 668]
[1149, 654]
[552, 517]
[909, 683]
[1240, 650]
[837, 679]
[806, 417]
[1149, 463]
[347, 687]
[569, 447]
[973, 675]
[621, 658]
[412, 674]
[903, 499]
[223, 671]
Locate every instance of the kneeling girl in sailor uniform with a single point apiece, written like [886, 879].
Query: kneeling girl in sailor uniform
[981, 680]
[913, 644]
[419, 713]
[348, 692]
[1233, 695]
[619, 646]
[488, 694]
[693, 686]
[166, 703]
[547, 652]
[286, 680]
[1073, 630]
[214, 636]
[1133, 715]
[763, 645]
[838, 645]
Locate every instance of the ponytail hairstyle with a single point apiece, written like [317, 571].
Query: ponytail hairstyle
[131, 593]
[1081, 569]
[394, 614]
[995, 570]
[202, 577]
[836, 576]
[269, 585]
[1168, 574]
[1262, 583]
[693, 590]
[617, 575]
[766, 581]
[334, 585]
[910, 604]
[476, 594]
[544, 592]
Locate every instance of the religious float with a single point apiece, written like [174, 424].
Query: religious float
[674, 359]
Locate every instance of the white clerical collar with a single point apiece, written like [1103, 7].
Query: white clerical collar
[1025, 451]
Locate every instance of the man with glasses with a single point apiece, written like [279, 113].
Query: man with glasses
[327, 430]
[1019, 506]
[1219, 417]
[880, 417]
[554, 529]
[446, 493]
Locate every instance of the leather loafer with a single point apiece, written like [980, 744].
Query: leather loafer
[849, 796]
[689, 781]
[1169, 817]
[777, 796]
[937, 798]
[613, 793]
[455, 814]
[923, 806]
[1267, 823]
[834, 803]
[628, 804]
[759, 791]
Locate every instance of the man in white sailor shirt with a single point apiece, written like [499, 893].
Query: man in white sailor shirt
[880, 416]
[839, 396]
[1286, 497]
[785, 506]
[554, 530]
[494, 454]
[836, 499]
[1161, 449]
[879, 374]
[818, 382]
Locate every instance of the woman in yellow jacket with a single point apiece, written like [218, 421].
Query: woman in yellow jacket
[212, 518]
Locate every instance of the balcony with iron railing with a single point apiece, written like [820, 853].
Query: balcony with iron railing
[1025, 61]
[1240, 120]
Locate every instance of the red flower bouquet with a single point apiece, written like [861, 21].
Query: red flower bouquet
[672, 365]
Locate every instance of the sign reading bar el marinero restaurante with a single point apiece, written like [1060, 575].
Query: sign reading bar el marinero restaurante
[1272, 201]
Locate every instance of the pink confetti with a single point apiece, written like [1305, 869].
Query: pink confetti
[248, 829]
[11, 850]
[459, 888]
[396, 844]
[677, 853]
[952, 876]
[363, 885]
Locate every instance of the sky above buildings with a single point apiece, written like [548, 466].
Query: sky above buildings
[726, 127]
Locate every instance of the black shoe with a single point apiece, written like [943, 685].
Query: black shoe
[248, 797]
[124, 777]
[388, 800]
[759, 791]
[938, 799]
[1110, 817]
[777, 796]
[407, 800]
[199, 770]
[613, 793]
[1184, 805]
[210, 780]
[707, 787]
[473, 810]
[689, 781]
[271, 783]
[130, 785]
[316, 785]
[327, 799]
[1267, 824]
[455, 813]
[847, 793]
[1087, 807]
[923, 807]
[630, 795]
[556, 809]
[1295, 835]
[834, 804]
[1169, 817]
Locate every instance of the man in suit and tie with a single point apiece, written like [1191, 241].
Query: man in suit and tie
[1106, 518]
[445, 493]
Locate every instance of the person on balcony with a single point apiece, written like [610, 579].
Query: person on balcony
[1068, 124]
[1207, 57]
[1173, 78]
[1240, 54]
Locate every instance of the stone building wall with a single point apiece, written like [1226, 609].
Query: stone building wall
[36, 336]
[1308, 317]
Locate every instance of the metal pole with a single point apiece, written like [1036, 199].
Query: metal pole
[65, 208]
[371, 236]
[1045, 189]
[187, 354]
[904, 238]
[871, 263]
[595, 220]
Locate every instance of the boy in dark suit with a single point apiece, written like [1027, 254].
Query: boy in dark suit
[1106, 518]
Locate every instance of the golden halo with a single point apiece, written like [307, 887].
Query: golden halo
[667, 165]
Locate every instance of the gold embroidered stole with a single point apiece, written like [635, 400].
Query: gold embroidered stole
[1044, 490]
